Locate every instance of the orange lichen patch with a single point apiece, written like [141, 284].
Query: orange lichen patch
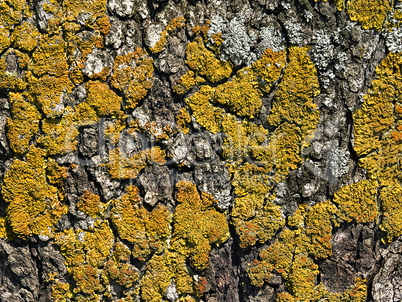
[183, 118]
[156, 279]
[132, 74]
[269, 67]
[103, 100]
[147, 231]
[87, 281]
[121, 253]
[262, 227]
[241, 95]
[25, 37]
[48, 92]
[196, 225]
[186, 82]
[177, 22]
[33, 204]
[61, 291]
[204, 63]
[370, 14]
[301, 277]
[294, 98]
[121, 167]
[123, 274]
[358, 202]
[206, 115]
[23, 124]
[91, 205]
[318, 229]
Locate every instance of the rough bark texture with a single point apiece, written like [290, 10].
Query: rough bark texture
[99, 227]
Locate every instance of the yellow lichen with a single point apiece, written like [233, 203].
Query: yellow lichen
[121, 167]
[123, 274]
[241, 95]
[186, 82]
[269, 67]
[296, 91]
[206, 115]
[156, 279]
[91, 205]
[4, 38]
[33, 203]
[132, 74]
[59, 136]
[61, 292]
[25, 37]
[197, 225]
[103, 100]
[47, 93]
[358, 202]
[183, 118]
[23, 124]
[203, 62]
[371, 14]
[178, 22]
[377, 145]
[145, 230]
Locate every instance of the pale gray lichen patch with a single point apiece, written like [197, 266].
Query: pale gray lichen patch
[238, 42]
[294, 30]
[393, 40]
[339, 163]
[270, 38]
[323, 50]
